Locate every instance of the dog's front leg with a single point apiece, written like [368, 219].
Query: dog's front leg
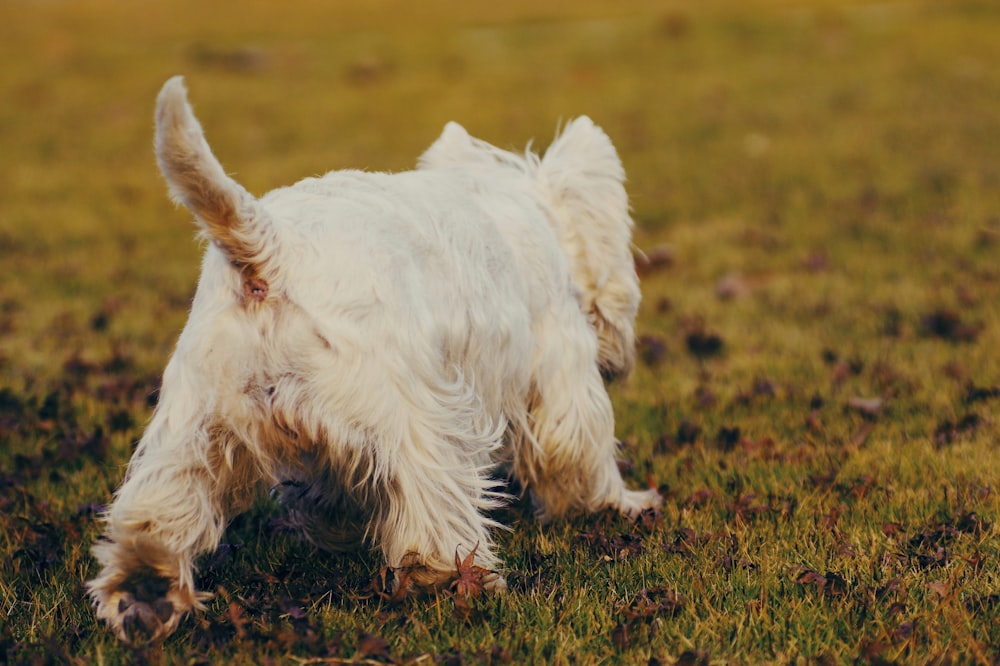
[183, 483]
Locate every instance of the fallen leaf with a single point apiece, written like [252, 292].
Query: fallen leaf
[651, 603]
[692, 658]
[948, 432]
[979, 393]
[652, 349]
[892, 529]
[655, 259]
[619, 636]
[948, 325]
[892, 586]
[810, 577]
[698, 498]
[829, 520]
[904, 632]
[941, 588]
[237, 619]
[370, 645]
[703, 344]
[470, 578]
[727, 438]
[836, 585]
[648, 520]
[688, 432]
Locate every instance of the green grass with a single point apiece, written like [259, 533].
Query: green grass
[836, 164]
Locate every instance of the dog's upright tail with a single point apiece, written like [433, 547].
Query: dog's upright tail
[585, 182]
[230, 216]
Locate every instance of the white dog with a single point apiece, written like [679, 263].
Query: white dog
[376, 346]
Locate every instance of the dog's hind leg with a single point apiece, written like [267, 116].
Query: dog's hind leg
[185, 481]
[568, 461]
[430, 481]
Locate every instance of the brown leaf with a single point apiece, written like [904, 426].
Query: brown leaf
[703, 344]
[619, 636]
[613, 547]
[896, 608]
[904, 632]
[729, 562]
[648, 520]
[236, 618]
[983, 603]
[810, 577]
[654, 602]
[824, 480]
[938, 558]
[744, 506]
[836, 586]
[891, 586]
[727, 438]
[939, 587]
[652, 349]
[692, 658]
[688, 432]
[858, 488]
[372, 646]
[394, 585]
[977, 393]
[829, 521]
[470, 578]
[698, 498]
[947, 432]
[892, 529]
[655, 259]
[948, 325]
[871, 653]
[971, 523]
[684, 541]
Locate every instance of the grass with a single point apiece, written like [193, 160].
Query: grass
[824, 176]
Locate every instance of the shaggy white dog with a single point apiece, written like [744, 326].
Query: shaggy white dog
[375, 346]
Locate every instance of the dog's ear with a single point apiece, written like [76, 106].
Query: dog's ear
[585, 182]
[453, 147]
[228, 214]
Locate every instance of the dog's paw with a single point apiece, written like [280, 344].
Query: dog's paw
[143, 607]
[634, 502]
[139, 622]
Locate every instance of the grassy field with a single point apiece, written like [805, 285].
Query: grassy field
[816, 188]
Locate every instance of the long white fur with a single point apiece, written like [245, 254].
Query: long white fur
[373, 345]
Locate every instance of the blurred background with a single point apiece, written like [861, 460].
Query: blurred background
[756, 135]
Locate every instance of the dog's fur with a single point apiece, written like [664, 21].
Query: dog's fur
[374, 347]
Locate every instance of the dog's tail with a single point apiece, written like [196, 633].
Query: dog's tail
[230, 216]
[585, 183]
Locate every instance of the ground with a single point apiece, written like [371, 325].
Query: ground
[817, 196]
